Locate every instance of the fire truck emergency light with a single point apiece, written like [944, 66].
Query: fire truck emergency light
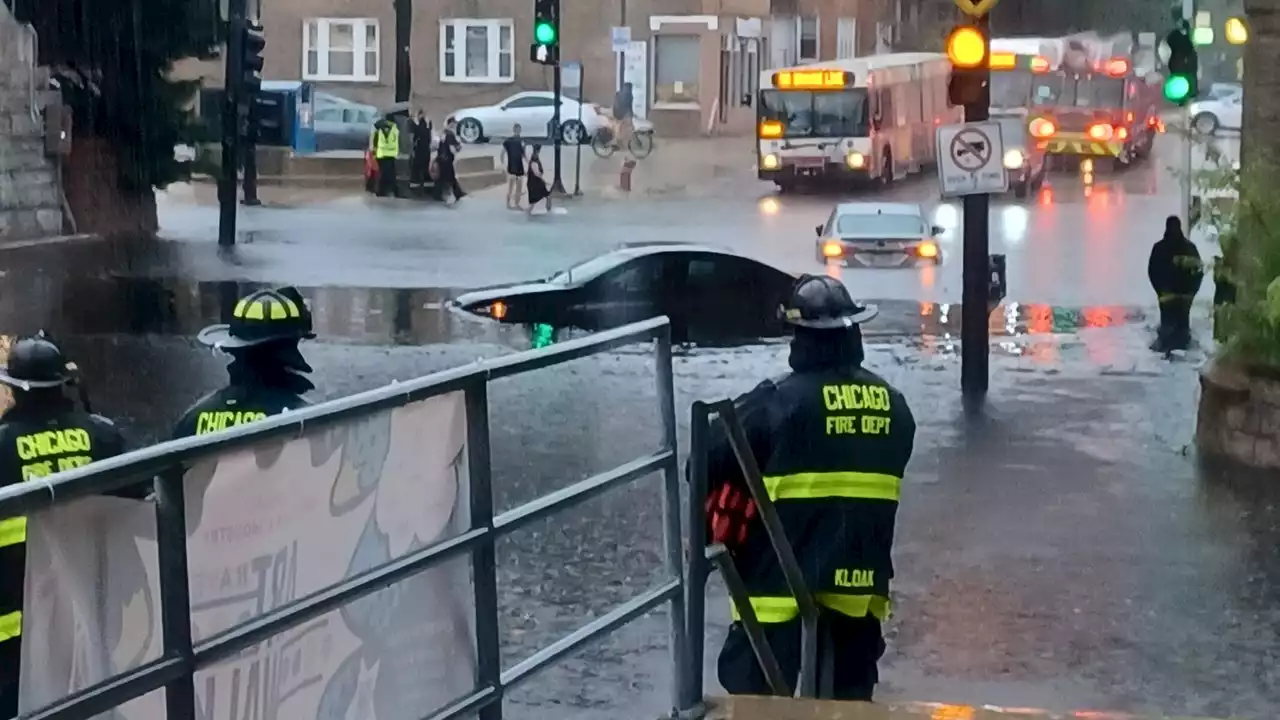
[1117, 67]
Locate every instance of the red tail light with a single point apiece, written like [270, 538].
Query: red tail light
[1117, 67]
[1122, 133]
[1101, 132]
[1042, 128]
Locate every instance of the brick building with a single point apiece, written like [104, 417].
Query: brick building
[694, 63]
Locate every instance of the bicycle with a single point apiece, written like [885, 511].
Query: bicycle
[640, 145]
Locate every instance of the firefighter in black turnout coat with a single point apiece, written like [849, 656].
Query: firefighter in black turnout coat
[41, 434]
[832, 440]
[267, 370]
[1176, 271]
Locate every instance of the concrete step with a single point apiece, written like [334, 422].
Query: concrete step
[773, 708]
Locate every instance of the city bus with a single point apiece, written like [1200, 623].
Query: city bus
[846, 121]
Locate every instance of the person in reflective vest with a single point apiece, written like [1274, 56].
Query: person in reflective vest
[1176, 271]
[42, 433]
[832, 440]
[384, 141]
[267, 371]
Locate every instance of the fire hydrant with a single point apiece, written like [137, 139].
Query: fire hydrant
[624, 178]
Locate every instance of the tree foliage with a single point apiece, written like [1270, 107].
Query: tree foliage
[1248, 327]
[112, 60]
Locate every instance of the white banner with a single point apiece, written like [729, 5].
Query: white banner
[268, 525]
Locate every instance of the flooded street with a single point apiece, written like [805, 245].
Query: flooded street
[1058, 551]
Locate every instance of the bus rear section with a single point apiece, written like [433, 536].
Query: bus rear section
[1104, 113]
[859, 121]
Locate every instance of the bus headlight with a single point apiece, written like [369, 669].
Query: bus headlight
[770, 162]
[856, 160]
[1013, 159]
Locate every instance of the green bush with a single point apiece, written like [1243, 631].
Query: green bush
[1248, 328]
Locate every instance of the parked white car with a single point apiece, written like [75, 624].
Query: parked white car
[533, 111]
[1208, 115]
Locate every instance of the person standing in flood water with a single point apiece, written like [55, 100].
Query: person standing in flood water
[1176, 271]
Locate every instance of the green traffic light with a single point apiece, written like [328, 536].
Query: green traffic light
[1176, 88]
[544, 33]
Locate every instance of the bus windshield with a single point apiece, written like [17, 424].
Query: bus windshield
[1011, 88]
[806, 114]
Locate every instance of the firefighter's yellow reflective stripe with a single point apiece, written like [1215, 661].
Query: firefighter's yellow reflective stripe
[1170, 297]
[771, 609]
[254, 307]
[861, 485]
[13, 531]
[10, 625]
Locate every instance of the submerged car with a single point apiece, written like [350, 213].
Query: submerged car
[710, 294]
[878, 235]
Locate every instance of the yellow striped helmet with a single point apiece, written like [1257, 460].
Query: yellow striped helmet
[261, 317]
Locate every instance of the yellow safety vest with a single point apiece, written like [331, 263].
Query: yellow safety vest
[13, 531]
[386, 144]
[813, 485]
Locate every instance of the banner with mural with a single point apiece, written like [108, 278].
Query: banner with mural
[267, 525]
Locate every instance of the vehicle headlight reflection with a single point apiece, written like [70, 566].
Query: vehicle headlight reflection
[1014, 221]
[769, 206]
[947, 216]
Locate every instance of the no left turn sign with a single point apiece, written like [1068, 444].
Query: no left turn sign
[971, 149]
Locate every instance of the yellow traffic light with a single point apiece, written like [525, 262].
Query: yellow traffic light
[1237, 33]
[966, 47]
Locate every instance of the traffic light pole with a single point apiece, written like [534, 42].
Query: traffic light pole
[1188, 139]
[557, 182]
[227, 185]
[974, 339]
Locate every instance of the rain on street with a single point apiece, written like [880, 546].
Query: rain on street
[1059, 552]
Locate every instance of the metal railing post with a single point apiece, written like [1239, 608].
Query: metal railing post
[673, 538]
[175, 590]
[699, 570]
[484, 564]
[781, 545]
[773, 674]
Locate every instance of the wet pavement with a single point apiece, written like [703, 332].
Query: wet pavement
[1059, 551]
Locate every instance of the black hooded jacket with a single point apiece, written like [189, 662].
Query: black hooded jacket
[265, 380]
[832, 440]
[1175, 267]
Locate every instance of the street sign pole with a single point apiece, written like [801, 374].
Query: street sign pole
[974, 339]
[1188, 138]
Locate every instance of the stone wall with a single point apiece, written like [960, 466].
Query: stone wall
[1239, 417]
[30, 204]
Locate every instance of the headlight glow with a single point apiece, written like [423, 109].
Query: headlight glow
[856, 160]
[770, 162]
[1013, 159]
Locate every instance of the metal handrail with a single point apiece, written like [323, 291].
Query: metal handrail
[699, 568]
[182, 657]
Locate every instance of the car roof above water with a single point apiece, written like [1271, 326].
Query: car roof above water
[879, 208]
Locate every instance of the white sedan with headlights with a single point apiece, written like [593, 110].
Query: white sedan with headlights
[871, 234]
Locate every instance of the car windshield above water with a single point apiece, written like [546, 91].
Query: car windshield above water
[880, 225]
[589, 269]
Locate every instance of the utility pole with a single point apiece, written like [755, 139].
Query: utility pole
[974, 338]
[1188, 139]
[622, 56]
[234, 76]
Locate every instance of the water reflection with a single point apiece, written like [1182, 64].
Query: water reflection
[143, 306]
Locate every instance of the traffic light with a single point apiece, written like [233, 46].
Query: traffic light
[546, 32]
[967, 51]
[1181, 84]
[252, 45]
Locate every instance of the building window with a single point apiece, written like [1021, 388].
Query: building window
[808, 39]
[846, 39]
[476, 51]
[676, 68]
[341, 49]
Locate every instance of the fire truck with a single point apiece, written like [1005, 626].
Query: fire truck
[1096, 105]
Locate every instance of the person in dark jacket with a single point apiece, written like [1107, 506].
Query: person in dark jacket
[267, 372]
[446, 155]
[1176, 271]
[832, 440]
[41, 434]
[419, 152]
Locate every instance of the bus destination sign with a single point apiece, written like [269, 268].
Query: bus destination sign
[812, 79]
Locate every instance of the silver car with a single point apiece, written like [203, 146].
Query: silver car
[867, 234]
